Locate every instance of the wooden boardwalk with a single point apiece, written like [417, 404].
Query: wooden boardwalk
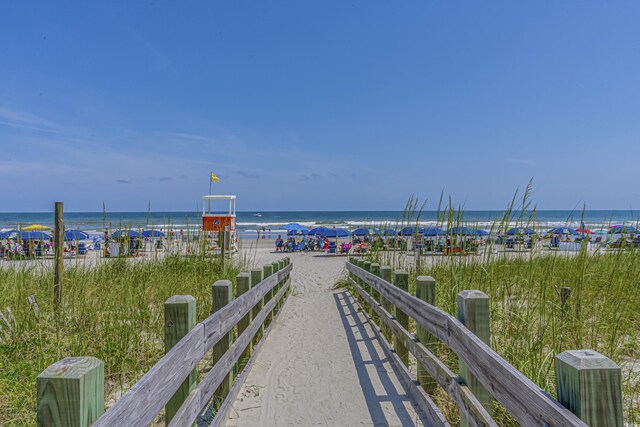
[322, 363]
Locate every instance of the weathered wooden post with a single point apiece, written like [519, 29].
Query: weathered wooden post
[70, 392]
[276, 288]
[268, 271]
[243, 284]
[426, 291]
[473, 312]
[385, 274]
[375, 269]
[256, 277]
[222, 294]
[179, 319]
[589, 385]
[401, 280]
[58, 253]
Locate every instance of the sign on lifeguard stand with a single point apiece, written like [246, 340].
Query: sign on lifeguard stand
[221, 216]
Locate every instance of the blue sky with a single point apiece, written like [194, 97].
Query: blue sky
[329, 105]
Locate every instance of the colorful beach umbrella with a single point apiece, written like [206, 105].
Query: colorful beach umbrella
[624, 229]
[585, 231]
[600, 231]
[35, 227]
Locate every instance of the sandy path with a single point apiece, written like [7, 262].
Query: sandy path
[321, 365]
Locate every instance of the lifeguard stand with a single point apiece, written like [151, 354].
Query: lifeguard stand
[219, 216]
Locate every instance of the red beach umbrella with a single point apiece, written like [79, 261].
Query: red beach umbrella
[584, 231]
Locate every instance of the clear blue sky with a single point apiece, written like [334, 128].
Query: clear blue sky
[331, 105]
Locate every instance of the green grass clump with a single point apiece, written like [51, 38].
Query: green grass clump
[113, 312]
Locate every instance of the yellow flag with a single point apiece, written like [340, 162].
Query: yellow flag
[214, 177]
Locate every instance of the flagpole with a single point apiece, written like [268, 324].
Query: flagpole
[210, 181]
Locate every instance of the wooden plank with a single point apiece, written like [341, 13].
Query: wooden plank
[216, 375]
[524, 400]
[426, 291]
[450, 382]
[70, 392]
[473, 313]
[256, 278]
[222, 415]
[420, 398]
[589, 384]
[179, 319]
[141, 404]
[222, 295]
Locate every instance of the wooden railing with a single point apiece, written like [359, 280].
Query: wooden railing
[588, 384]
[70, 392]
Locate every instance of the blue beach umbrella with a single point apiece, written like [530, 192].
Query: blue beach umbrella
[433, 231]
[34, 235]
[365, 231]
[121, 233]
[410, 231]
[563, 230]
[623, 229]
[329, 232]
[9, 234]
[75, 235]
[152, 233]
[389, 232]
[482, 232]
[462, 231]
[520, 230]
[297, 233]
[294, 226]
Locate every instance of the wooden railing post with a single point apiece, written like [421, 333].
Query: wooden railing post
[385, 274]
[589, 385]
[268, 271]
[401, 280]
[70, 392]
[256, 277]
[179, 319]
[473, 312]
[426, 291]
[222, 294]
[243, 284]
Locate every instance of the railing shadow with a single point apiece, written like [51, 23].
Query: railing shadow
[355, 323]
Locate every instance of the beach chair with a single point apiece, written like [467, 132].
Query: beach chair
[82, 249]
[345, 248]
[332, 248]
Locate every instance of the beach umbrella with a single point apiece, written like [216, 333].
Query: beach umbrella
[294, 226]
[152, 233]
[623, 229]
[75, 235]
[433, 231]
[600, 231]
[36, 227]
[520, 230]
[563, 230]
[34, 235]
[365, 231]
[410, 231]
[389, 232]
[297, 233]
[482, 232]
[8, 234]
[122, 233]
[586, 231]
[329, 232]
[462, 231]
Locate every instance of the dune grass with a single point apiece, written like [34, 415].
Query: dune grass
[113, 312]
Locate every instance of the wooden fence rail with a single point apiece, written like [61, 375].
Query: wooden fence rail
[70, 392]
[588, 384]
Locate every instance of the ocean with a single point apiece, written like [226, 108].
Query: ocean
[248, 223]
